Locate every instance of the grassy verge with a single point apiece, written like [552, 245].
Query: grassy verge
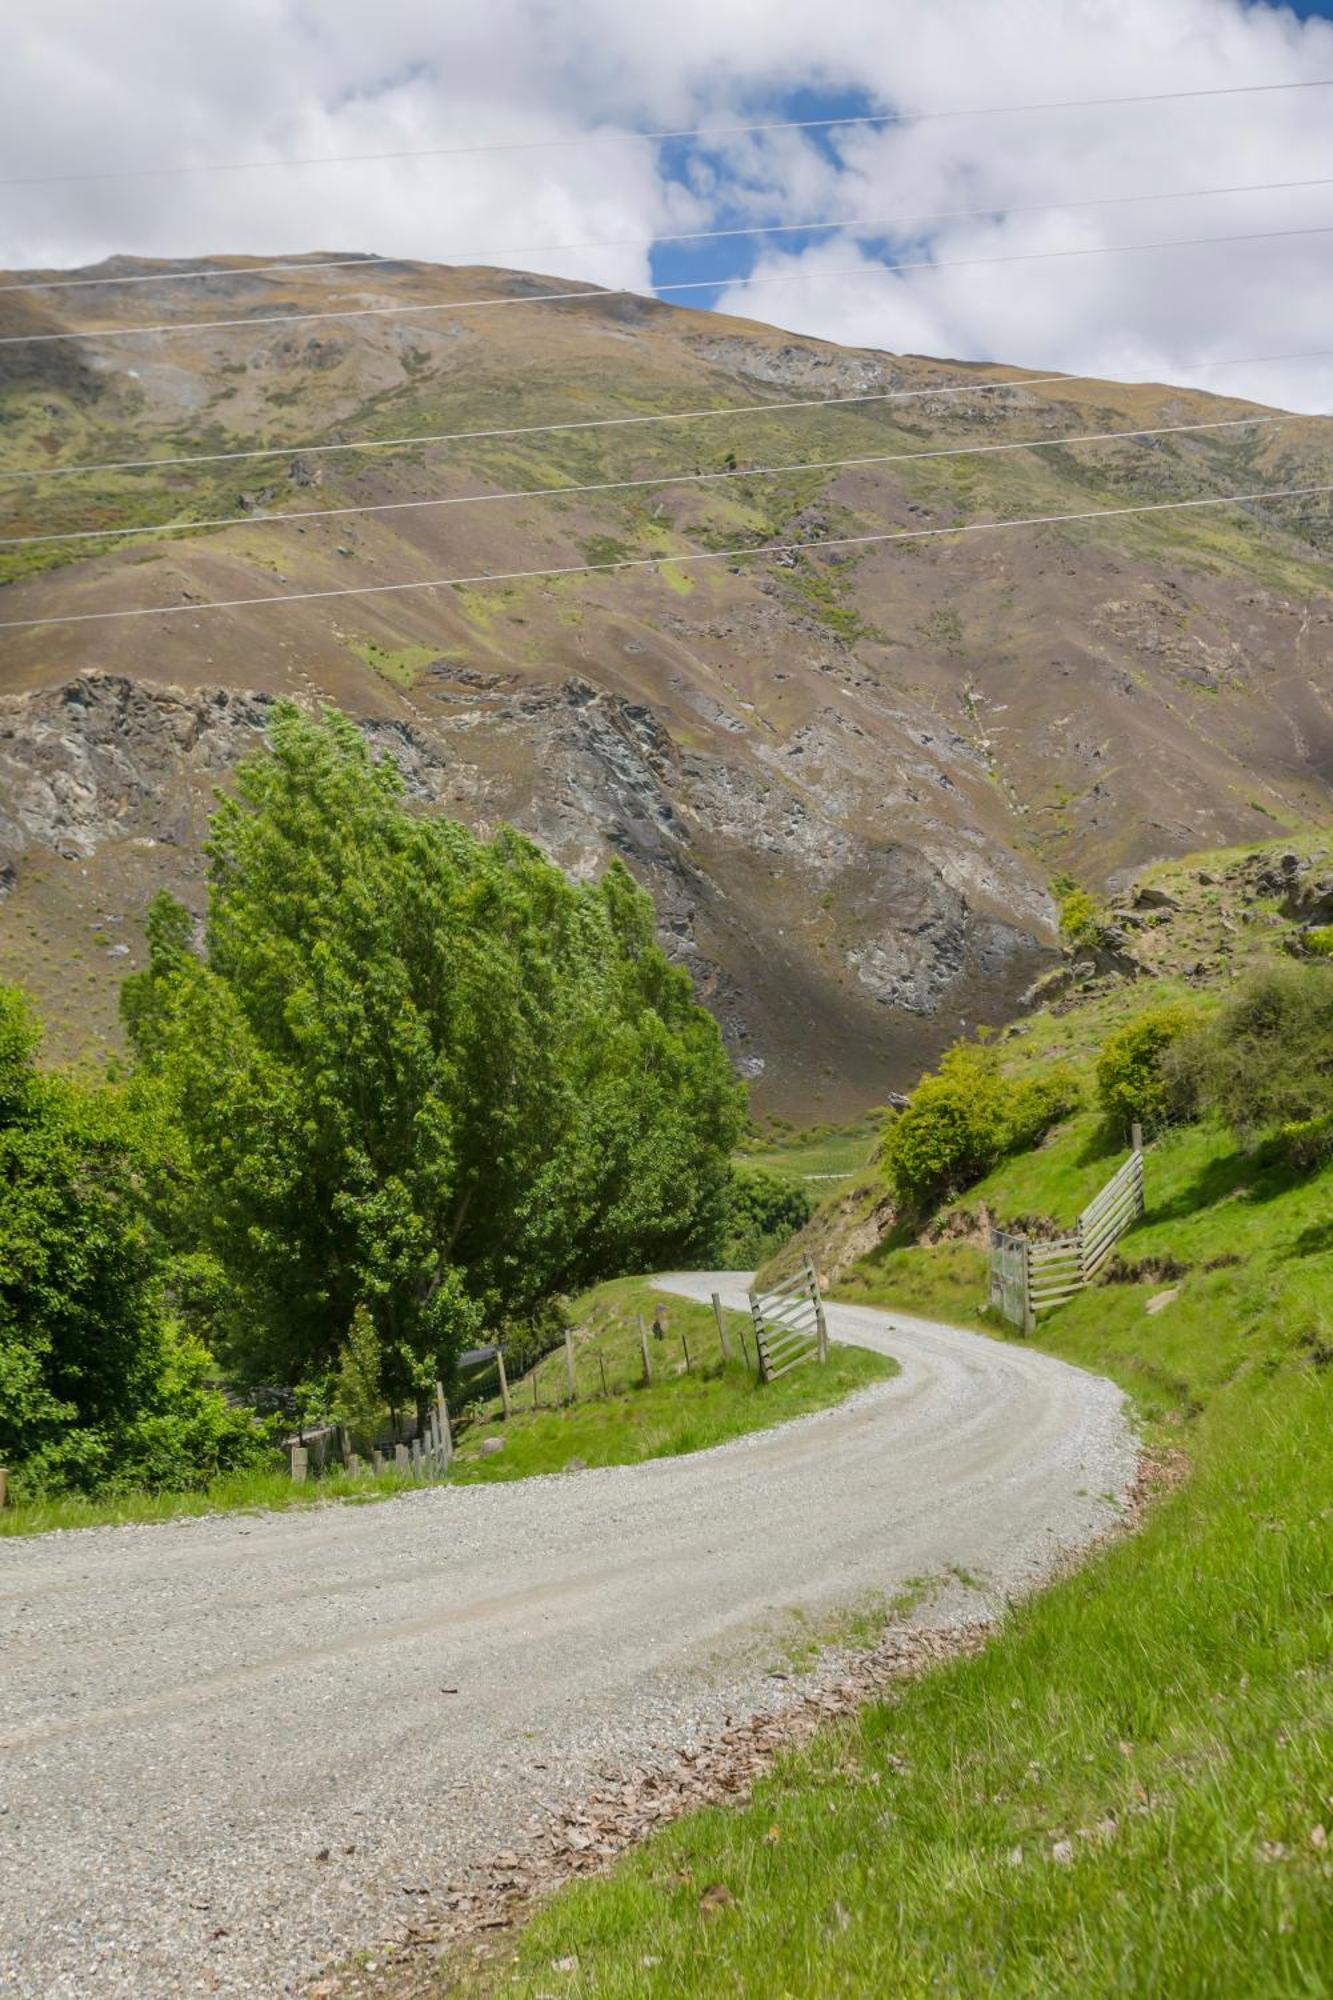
[1127, 1793]
[684, 1410]
[230, 1493]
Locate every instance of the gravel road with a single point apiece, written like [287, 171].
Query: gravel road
[233, 1749]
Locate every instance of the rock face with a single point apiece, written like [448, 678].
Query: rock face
[846, 774]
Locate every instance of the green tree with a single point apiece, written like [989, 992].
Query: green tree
[416, 1070]
[97, 1384]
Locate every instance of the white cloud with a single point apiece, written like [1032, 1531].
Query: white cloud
[88, 86]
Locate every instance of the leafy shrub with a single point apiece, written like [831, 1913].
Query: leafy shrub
[962, 1119]
[1264, 1063]
[1081, 918]
[1133, 1078]
[1318, 941]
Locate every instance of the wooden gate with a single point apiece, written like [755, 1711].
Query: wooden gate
[789, 1324]
[1031, 1275]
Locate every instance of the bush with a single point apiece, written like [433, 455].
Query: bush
[1038, 1102]
[1134, 1080]
[963, 1119]
[1265, 1062]
[1081, 917]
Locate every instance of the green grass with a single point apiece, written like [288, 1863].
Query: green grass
[815, 1155]
[230, 1493]
[1123, 1793]
[683, 1411]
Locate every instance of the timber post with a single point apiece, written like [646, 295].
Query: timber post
[724, 1339]
[504, 1384]
[821, 1324]
[647, 1359]
[569, 1362]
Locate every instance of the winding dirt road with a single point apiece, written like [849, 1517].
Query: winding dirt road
[233, 1749]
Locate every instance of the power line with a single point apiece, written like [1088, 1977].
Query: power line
[691, 133]
[967, 388]
[598, 292]
[474, 256]
[491, 577]
[186, 526]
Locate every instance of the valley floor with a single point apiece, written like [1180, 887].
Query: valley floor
[236, 1749]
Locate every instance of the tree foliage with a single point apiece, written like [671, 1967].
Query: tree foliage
[98, 1384]
[762, 1210]
[963, 1118]
[416, 1070]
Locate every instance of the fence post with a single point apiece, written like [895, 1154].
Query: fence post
[377, 1463]
[758, 1319]
[353, 1465]
[724, 1338]
[400, 1459]
[300, 1462]
[1029, 1317]
[569, 1362]
[504, 1384]
[418, 1458]
[821, 1324]
[1136, 1145]
[4, 1485]
[647, 1359]
[444, 1435]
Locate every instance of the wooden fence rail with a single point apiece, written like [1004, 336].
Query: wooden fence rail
[789, 1324]
[1031, 1275]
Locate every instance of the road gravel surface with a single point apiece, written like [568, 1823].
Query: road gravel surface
[235, 1749]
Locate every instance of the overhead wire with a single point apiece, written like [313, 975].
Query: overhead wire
[185, 525]
[800, 403]
[555, 571]
[862, 120]
[861, 224]
[598, 293]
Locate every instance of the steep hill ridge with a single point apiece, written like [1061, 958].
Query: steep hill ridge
[845, 775]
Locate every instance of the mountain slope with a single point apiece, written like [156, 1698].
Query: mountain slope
[846, 775]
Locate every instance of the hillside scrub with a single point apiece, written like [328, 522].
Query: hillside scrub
[1264, 1063]
[414, 1072]
[963, 1118]
[101, 1387]
[1134, 1079]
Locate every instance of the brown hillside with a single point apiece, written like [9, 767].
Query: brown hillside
[846, 776]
